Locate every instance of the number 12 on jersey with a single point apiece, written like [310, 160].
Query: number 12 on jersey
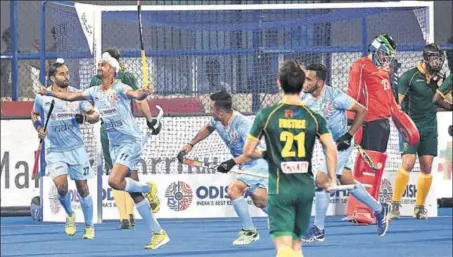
[288, 138]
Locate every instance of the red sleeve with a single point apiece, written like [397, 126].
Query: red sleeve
[356, 85]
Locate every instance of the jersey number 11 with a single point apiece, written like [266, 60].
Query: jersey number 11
[288, 138]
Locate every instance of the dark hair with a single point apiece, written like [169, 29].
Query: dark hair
[291, 77]
[222, 100]
[320, 70]
[53, 69]
[115, 53]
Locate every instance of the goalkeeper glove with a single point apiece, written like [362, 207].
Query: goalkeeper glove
[80, 118]
[154, 126]
[344, 142]
[226, 166]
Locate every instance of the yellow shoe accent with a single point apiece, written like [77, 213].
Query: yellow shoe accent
[158, 240]
[70, 227]
[89, 232]
[153, 197]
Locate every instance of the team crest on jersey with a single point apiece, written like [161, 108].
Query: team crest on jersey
[289, 113]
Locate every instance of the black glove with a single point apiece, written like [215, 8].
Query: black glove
[226, 166]
[154, 126]
[80, 118]
[344, 142]
[181, 156]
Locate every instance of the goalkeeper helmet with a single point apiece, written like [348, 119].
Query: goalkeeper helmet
[433, 57]
[383, 49]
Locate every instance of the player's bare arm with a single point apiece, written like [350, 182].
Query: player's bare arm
[64, 95]
[360, 111]
[331, 158]
[200, 136]
[90, 116]
[35, 119]
[440, 100]
[137, 94]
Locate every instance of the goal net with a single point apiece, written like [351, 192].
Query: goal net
[193, 51]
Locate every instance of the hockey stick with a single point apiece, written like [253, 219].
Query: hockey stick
[142, 47]
[367, 158]
[195, 163]
[38, 152]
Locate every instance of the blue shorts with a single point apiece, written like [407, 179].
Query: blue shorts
[254, 182]
[127, 154]
[73, 162]
[344, 161]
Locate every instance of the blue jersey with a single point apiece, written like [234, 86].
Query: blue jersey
[63, 131]
[332, 105]
[235, 135]
[115, 109]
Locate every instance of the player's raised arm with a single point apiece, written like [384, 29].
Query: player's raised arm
[66, 95]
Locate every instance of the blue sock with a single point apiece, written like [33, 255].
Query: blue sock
[362, 195]
[87, 208]
[66, 203]
[134, 186]
[264, 209]
[145, 211]
[242, 210]
[322, 204]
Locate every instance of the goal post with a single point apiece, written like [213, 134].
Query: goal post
[195, 50]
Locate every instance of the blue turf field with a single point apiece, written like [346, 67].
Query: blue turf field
[213, 237]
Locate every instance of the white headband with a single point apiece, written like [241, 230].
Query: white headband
[106, 57]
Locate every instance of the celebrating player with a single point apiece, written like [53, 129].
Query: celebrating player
[416, 89]
[290, 130]
[122, 199]
[332, 104]
[233, 128]
[113, 100]
[369, 85]
[65, 152]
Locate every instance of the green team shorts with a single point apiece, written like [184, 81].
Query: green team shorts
[427, 144]
[289, 214]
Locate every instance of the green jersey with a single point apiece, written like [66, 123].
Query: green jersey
[446, 88]
[418, 97]
[121, 76]
[290, 133]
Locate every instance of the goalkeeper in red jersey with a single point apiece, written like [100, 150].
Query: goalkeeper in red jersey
[369, 84]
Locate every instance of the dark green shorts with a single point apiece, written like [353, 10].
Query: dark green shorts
[289, 215]
[426, 146]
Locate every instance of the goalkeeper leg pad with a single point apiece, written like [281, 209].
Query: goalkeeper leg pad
[406, 127]
[357, 211]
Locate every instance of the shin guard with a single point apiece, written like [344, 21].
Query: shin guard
[371, 180]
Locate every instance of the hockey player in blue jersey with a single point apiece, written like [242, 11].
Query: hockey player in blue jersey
[332, 104]
[233, 128]
[113, 100]
[64, 150]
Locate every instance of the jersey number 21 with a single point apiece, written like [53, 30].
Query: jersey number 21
[288, 138]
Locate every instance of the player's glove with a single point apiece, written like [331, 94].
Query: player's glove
[80, 118]
[154, 126]
[226, 166]
[450, 131]
[181, 156]
[344, 142]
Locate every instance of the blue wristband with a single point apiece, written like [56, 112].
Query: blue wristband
[37, 124]
[49, 93]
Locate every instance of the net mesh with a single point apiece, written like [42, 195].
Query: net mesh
[191, 54]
